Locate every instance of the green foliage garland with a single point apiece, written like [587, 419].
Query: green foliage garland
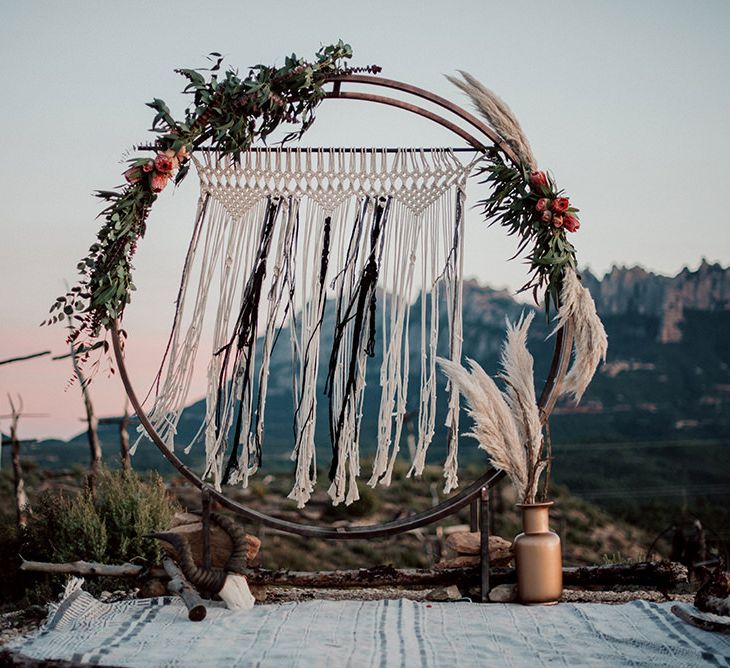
[229, 112]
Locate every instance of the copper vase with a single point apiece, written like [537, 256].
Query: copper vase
[538, 557]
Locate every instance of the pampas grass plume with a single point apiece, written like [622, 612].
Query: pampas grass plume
[499, 116]
[494, 427]
[590, 342]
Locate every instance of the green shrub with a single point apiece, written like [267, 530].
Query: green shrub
[109, 528]
[65, 528]
[130, 507]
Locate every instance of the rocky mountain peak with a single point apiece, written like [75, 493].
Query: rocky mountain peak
[634, 290]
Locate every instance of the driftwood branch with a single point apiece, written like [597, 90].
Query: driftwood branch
[22, 505]
[24, 357]
[92, 421]
[90, 568]
[179, 585]
[659, 574]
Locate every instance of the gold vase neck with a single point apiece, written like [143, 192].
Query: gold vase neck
[535, 517]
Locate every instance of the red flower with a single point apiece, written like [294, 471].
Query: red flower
[542, 204]
[558, 220]
[561, 205]
[538, 180]
[546, 217]
[572, 224]
[133, 175]
[159, 181]
[164, 164]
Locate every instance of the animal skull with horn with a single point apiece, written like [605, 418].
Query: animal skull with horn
[228, 582]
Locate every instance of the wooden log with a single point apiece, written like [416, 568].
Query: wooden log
[378, 576]
[89, 568]
[661, 574]
[179, 585]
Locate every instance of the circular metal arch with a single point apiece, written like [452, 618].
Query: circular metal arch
[548, 396]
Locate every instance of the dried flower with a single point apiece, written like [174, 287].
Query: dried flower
[148, 166]
[538, 180]
[158, 182]
[557, 220]
[164, 164]
[560, 204]
[546, 216]
[571, 223]
[133, 174]
[542, 204]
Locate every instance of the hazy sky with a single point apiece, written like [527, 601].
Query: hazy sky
[627, 103]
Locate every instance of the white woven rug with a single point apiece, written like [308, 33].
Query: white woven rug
[333, 634]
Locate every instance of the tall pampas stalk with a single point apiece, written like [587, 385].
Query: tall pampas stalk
[507, 423]
[519, 378]
[494, 426]
[499, 116]
[590, 342]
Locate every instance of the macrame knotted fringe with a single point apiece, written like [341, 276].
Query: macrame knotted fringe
[283, 233]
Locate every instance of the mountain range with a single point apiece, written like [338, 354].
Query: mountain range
[666, 379]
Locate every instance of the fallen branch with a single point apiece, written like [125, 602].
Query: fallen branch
[179, 585]
[88, 568]
[379, 576]
[657, 574]
[660, 574]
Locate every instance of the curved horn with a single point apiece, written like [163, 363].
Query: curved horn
[209, 580]
[238, 561]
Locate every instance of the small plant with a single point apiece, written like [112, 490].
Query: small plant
[616, 558]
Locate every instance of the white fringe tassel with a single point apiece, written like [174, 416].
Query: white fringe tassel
[425, 190]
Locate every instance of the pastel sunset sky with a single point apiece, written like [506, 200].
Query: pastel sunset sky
[626, 102]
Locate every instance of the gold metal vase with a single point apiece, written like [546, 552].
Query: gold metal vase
[538, 557]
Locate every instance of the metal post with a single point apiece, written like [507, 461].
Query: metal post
[484, 544]
[205, 502]
[474, 516]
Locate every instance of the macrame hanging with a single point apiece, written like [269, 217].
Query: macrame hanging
[285, 237]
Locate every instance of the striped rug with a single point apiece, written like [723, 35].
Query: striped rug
[334, 634]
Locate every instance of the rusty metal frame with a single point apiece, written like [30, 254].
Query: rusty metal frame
[476, 494]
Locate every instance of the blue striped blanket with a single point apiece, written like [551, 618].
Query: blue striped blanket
[335, 634]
